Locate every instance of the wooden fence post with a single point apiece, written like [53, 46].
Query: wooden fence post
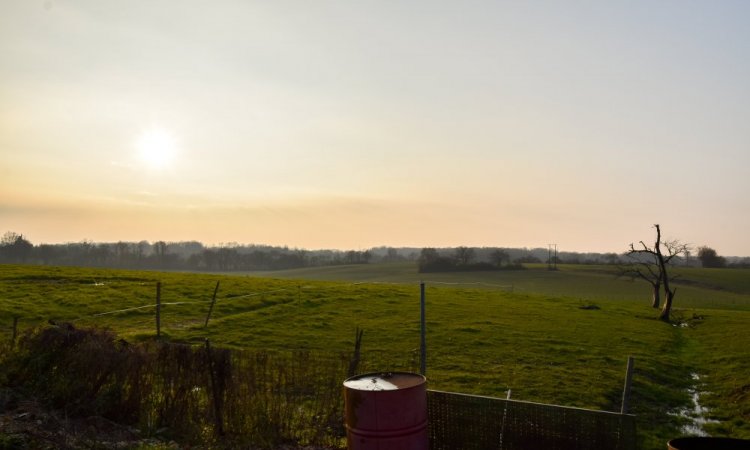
[354, 362]
[158, 309]
[219, 423]
[213, 302]
[626, 390]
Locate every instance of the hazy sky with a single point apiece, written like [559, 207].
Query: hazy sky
[352, 124]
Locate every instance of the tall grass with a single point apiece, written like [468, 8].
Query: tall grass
[211, 397]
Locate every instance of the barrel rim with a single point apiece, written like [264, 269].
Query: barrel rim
[422, 382]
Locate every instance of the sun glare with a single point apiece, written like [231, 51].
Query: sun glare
[156, 148]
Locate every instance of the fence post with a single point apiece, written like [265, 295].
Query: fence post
[505, 414]
[626, 390]
[423, 331]
[15, 332]
[354, 362]
[211, 308]
[215, 391]
[158, 309]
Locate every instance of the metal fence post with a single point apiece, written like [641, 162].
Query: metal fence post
[158, 309]
[626, 390]
[423, 331]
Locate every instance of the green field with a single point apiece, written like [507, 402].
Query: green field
[559, 337]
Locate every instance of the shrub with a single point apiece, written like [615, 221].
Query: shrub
[196, 394]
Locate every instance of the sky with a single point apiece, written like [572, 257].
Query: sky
[354, 124]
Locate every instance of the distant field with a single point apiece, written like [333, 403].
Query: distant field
[697, 288]
[550, 336]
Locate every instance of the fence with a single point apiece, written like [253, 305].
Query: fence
[259, 398]
[466, 422]
[244, 393]
[144, 317]
[197, 394]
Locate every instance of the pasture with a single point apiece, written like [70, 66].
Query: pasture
[559, 337]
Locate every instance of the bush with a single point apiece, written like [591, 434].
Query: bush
[81, 371]
[199, 395]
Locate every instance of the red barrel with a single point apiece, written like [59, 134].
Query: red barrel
[386, 411]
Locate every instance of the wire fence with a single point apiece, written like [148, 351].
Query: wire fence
[181, 316]
[179, 311]
[255, 398]
[467, 422]
[174, 311]
[156, 308]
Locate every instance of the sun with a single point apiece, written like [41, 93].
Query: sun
[156, 148]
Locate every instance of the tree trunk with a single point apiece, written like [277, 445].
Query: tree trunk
[656, 299]
[667, 306]
[668, 293]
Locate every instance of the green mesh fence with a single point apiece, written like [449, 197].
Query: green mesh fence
[459, 421]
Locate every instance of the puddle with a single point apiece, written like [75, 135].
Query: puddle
[696, 415]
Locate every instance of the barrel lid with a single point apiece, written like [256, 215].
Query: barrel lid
[384, 381]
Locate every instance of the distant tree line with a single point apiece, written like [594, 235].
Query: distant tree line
[462, 259]
[190, 255]
[233, 257]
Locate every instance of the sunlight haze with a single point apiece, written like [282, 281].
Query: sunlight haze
[356, 124]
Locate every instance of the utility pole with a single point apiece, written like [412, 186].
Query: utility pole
[551, 263]
[555, 256]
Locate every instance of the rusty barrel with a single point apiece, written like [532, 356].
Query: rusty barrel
[708, 443]
[386, 411]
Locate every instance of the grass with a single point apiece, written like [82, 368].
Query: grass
[703, 288]
[558, 337]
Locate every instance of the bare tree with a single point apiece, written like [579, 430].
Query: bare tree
[14, 247]
[500, 257]
[122, 253]
[464, 255]
[645, 268]
[160, 251]
[657, 259]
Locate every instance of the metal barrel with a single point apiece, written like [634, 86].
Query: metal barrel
[708, 443]
[386, 411]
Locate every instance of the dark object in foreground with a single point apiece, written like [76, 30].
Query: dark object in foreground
[386, 410]
[706, 443]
